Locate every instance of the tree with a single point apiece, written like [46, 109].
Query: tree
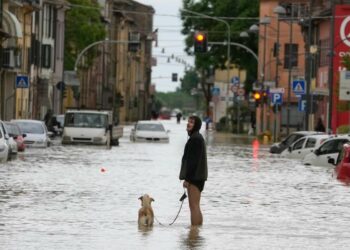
[189, 81]
[217, 31]
[83, 27]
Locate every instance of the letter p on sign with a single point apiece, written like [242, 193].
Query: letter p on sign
[276, 98]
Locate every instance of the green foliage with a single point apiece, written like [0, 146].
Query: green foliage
[217, 31]
[343, 129]
[83, 27]
[189, 81]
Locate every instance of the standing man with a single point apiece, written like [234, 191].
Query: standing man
[194, 170]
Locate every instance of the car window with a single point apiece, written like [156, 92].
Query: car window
[328, 147]
[340, 144]
[299, 144]
[292, 138]
[310, 143]
[31, 127]
[3, 128]
[340, 156]
[333, 146]
[150, 127]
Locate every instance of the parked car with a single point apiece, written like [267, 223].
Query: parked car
[342, 164]
[16, 133]
[4, 147]
[149, 131]
[13, 149]
[36, 131]
[278, 148]
[330, 149]
[304, 146]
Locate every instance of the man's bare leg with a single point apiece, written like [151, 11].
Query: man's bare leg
[194, 197]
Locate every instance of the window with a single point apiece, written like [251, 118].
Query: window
[299, 144]
[290, 53]
[46, 55]
[295, 9]
[333, 146]
[323, 54]
[310, 143]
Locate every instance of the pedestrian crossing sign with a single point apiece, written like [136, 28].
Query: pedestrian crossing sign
[299, 87]
[22, 82]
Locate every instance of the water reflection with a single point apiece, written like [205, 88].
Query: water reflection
[144, 230]
[193, 239]
[59, 198]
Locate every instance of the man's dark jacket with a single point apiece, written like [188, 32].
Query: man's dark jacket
[194, 161]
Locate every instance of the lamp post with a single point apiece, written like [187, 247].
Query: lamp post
[228, 49]
[255, 29]
[279, 10]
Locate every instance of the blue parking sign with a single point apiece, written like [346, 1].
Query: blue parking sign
[276, 98]
[301, 105]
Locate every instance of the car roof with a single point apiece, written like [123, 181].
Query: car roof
[308, 133]
[88, 111]
[27, 120]
[317, 136]
[148, 122]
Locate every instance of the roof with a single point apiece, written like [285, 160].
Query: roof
[149, 122]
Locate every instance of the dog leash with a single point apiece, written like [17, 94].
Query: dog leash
[183, 197]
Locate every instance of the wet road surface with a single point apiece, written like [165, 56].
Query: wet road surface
[60, 198]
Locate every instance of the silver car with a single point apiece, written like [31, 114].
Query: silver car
[36, 131]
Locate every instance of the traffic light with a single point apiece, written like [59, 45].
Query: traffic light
[257, 97]
[264, 96]
[200, 42]
[174, 77]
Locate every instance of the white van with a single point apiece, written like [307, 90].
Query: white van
[89, 127]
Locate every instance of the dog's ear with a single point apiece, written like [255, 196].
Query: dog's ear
[140, 198]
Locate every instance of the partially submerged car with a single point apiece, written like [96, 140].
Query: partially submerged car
[330, 149]
[304, 146]
[36, 132]
[16, 133]
[278, 148]
[13, 148]
[4, 147]
[342, 165]
[149, 131]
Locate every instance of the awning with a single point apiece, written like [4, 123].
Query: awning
[11, 24]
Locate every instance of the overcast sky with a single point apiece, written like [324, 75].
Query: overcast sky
[171, 40]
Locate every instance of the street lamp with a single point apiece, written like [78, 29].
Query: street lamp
[279, 10]
[228, 50]
[255, 29]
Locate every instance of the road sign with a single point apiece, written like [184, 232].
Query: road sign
[276, 98]
[299, 87]
[344, 86]
[235, 80]
[301, 105]
[215, 91]
[22, 82]
[276, 90]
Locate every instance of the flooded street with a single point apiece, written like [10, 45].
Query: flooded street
[60, 198]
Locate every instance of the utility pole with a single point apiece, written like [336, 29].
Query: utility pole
[308, 67]
[330, 72]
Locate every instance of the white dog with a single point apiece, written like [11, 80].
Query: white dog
[146, 216]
